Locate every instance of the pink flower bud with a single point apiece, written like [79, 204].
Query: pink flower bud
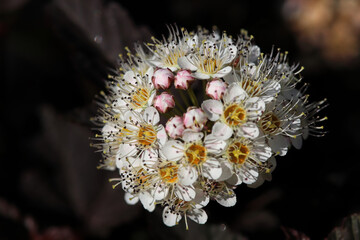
[194, 119]
[164, 102]
[162, 78]
[216, 89]
[175, 127]
[183, 79]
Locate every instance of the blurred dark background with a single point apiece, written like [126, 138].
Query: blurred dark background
[54, 57]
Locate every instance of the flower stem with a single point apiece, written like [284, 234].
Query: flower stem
[193, 97]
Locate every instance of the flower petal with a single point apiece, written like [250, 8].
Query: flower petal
[147, 201]
[187, 175]
[173, 150]
[248, 130]
[212, 168]
[170, 218]
[130, 199]
[234, 93]
[192, 136]
[226, 198]
[223, 72]
[186, 193]
[151, 115]
[213, 109]
[221, 131]
[184, 63]
[198, 215]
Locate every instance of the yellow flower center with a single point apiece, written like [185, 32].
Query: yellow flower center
[234, 115]
[169, 173]
[196, 154]
[140, 97]
[209, 65]
[269, 123]
[146, 136]
[237, 152]
[172, 58]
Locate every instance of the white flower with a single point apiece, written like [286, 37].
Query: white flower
[167, 53]
[243, 158]
[133, 92]
[196, 155]
[236, 110]
[280, 123]
[142, 135]
[174, 211]
[211, 60]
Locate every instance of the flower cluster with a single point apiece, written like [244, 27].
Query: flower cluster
[187, 119]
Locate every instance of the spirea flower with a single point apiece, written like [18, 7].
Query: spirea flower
[190, 118]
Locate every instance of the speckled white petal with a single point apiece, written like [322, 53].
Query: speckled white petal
[130, 77]
[149, 158]
[187, 175]
[200, 75]
[226, 199]
[213, 144]
[221, 131]
[279, 144]
[151, 115]
[192, 136]
[262, 151]
[186, 193]
[212, 168]
[223, 72]
[226, 170]
[213, 109]
[170, 218]
[161, 135]
[160, 192]
[255, 105]
[126, 150]
[147, 201]
[131, 199]
[234, 93]
[184, 63]
[173, 150]
[248, 130]
[198, 215]
[248, 174]
[201, 199]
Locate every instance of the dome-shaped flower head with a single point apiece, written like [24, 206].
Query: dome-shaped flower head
[164, 102]
[175, 127]
[211, 60]
[236, 111]
[162, 78]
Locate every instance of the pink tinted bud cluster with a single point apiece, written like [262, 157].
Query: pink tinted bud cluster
[216, 89]
[183, 79]
[175, 127]
[164, 102]
[162, 78]
[194, 119]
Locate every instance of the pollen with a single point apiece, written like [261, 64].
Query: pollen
[169, 174]
[251, 87]
[210, 65]
[140, 97]
[234, 115]
[237, 152]
[146, 136]
[270, 123]
[196, 154]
